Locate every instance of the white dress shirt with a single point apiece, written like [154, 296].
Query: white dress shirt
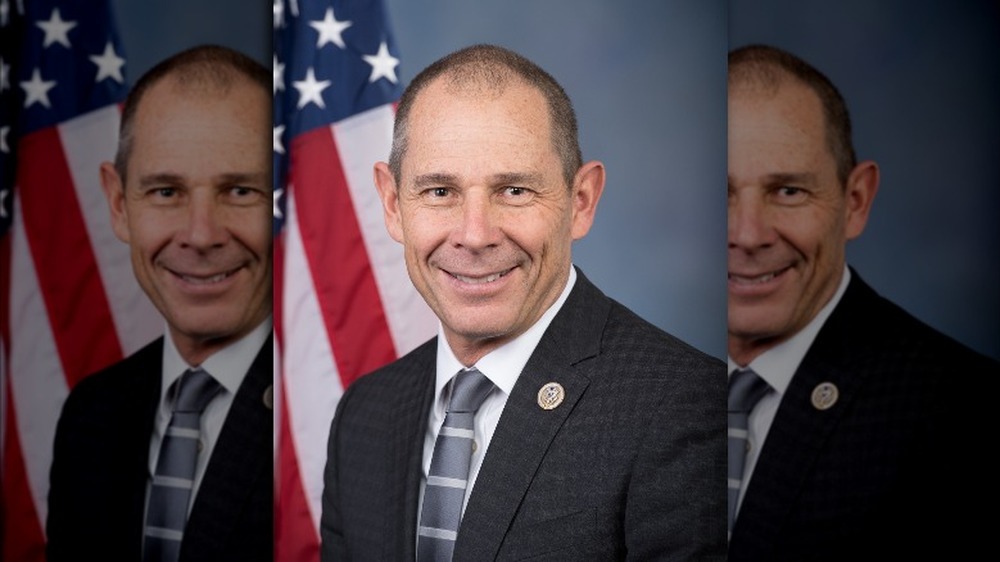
[502, 366]
[228, 366]
[776, 366]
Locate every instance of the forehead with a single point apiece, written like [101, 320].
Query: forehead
[173, 120]
[469, 120]
[782, 124]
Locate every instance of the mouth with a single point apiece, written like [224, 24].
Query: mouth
[479, 280]
[745, 280]
[205, 280]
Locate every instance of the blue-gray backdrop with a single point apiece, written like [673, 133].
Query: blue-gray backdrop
[648, 82]
[922, 82]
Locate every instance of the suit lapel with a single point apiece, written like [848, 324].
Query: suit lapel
[241, 464]
[525, 431]
[407, 430]
[801, 431]
[146, 375]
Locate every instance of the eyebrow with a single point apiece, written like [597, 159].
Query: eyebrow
[784, 178]
[169, 178]
[437, 178]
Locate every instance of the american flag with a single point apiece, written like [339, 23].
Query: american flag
[69, 304]
[343, 302]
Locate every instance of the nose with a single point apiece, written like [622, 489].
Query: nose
[478, 227]
[749, 221]
[204, 227]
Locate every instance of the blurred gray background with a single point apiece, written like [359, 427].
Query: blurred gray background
[648, 81]
[922, 82]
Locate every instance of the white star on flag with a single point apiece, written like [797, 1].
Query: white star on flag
[278, 131]
[311, 90]
[279, 13]
[4, 12]
[383, 64]
[3, 203]
[3, 139]
[330, 30]
[37, 90]
[276, 202]
[109, 64]
[279, 75]
[56, 30]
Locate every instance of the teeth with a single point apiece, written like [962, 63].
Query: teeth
[754, 280]
[480, 280]
[204, 280]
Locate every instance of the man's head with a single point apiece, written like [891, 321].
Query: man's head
[190, 192]
[796, 195]
[486, 193]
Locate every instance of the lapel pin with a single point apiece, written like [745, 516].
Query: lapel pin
[825, 395]
[551, 395]
[269, 397]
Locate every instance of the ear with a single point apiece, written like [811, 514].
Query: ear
[860, 191]
[114, 192]
[588, 184]
[389, 194]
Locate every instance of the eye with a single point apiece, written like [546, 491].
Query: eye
[516, 195]
[790, 195]
[165, 192]
[438, 191]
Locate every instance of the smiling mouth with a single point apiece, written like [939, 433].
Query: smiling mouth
[206, 279]
[756, 279]
[480, 280]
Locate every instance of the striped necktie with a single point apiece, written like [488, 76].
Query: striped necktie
[447, 480]
[745, 390]
[170, 494]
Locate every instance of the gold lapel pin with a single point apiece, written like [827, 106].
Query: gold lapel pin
[825, 395]
[551, 395]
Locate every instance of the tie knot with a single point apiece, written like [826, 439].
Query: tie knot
[195, 389]
[746, 388]
[469, 391]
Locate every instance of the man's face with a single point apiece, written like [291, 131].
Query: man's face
[484, 212]
[789, 215]
[195, 210]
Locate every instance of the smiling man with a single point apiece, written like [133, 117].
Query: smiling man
[166, 455]
[845, 412]
[545, 419]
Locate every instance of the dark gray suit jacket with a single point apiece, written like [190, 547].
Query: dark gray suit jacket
[630, 466]
[894, 469]
[101, 462]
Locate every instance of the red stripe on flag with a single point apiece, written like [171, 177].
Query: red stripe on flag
[295, 537]
[21, 536]
[68, 275]
[334, 247]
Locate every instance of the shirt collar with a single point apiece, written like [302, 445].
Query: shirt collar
[504, 364]
[778, 364]
[228, 366]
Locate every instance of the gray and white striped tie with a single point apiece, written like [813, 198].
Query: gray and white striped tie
[745, 390]
[170, 493]
[448, 478]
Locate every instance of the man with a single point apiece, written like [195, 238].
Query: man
[598, 435]
[137, 473]
[853, 449]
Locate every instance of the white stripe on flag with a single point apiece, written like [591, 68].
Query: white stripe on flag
[312, 383]
[36, 373]
[362, 140]
[136, 320]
